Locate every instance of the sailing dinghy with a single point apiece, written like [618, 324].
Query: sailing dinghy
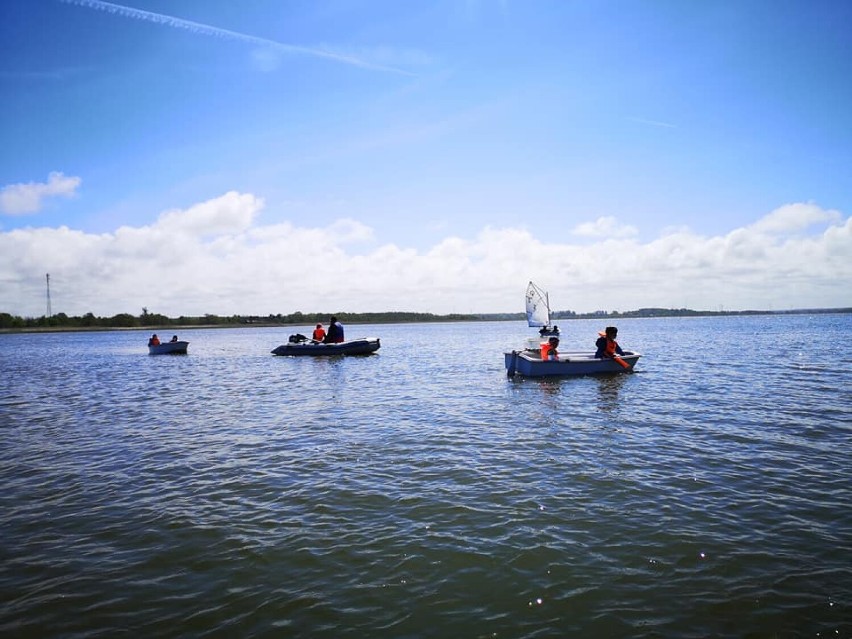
[538, 310]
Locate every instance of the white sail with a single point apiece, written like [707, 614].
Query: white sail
[538, 306]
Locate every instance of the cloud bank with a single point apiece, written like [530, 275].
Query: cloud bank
[604, 227]
[217, 257]
[21, 199]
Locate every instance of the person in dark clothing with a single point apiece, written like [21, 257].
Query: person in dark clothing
[334, 335]
[606, 344]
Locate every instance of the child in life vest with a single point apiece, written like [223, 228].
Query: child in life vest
[606, 344]
[319, 333]
[548, 350]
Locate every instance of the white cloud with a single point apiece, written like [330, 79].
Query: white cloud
[605, 227]
[794, 217]
[20, 199]
[214, 257]
[230, 213]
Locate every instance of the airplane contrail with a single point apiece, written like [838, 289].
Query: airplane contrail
[653, 123]
[206, 29]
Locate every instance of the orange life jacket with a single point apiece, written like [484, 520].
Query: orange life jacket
[319, 334]
[609, 350]
[547, 350]
[611, 345]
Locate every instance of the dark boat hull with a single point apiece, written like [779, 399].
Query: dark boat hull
[363, 346]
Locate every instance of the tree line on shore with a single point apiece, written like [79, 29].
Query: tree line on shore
[145, 320]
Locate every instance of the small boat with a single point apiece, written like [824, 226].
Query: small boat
[528, 363]
[360, 346]
[538, 311]
[173, 348]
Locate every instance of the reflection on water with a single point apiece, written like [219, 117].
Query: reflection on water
[553, 389]
[549, 386]
[418, 492]
[609, 387]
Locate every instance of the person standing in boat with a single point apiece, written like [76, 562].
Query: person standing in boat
[154, 341]
[607, 346]
[319, 333]
[335, 332]
[548, 350]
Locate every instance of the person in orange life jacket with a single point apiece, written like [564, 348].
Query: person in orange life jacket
[154, 341]
[335, 332]
[607, 346]
[319, 333]
[548, 349]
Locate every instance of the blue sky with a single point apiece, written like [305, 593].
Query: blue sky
[196, 156]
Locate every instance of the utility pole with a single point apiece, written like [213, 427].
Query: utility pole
[49, 311]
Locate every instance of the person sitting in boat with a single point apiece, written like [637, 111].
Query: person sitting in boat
[319, 333]
[548, 350]
[174, 338]
[547, 330]
[154, 341]
[607, 346]
[335, 332]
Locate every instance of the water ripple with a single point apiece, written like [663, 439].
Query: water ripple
[420, 493]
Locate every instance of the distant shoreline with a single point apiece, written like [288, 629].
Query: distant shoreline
[61, 323]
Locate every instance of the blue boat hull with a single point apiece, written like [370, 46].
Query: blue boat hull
[169, 348]
[530, 364]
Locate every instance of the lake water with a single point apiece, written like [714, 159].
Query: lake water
[418, 492]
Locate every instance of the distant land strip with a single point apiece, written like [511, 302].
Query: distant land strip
[123, 321]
